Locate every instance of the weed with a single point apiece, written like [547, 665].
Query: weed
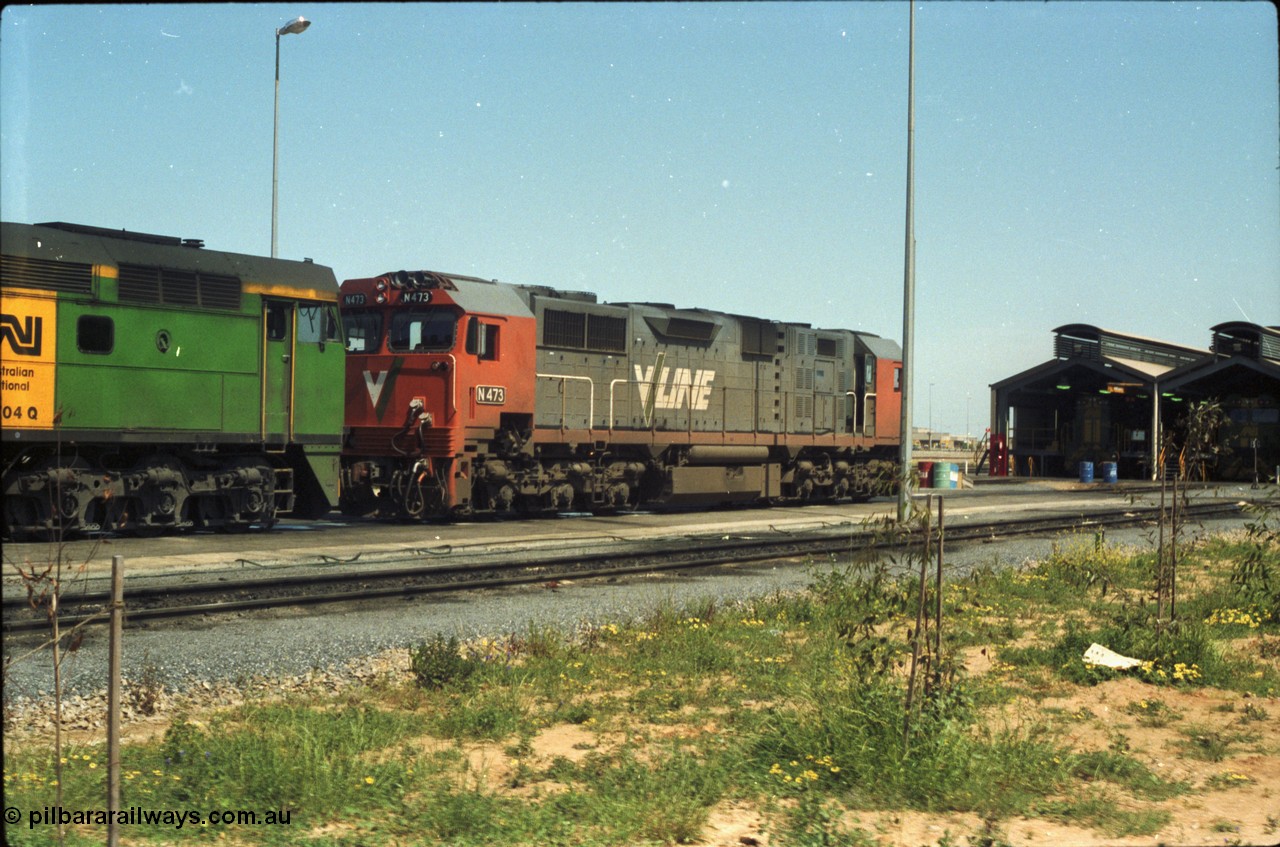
[1152, 713]
[439, 662]
[1252, 713]
[1207, 745]
[143, 696]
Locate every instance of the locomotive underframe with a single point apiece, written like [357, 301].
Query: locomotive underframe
[53, 491]
[568, 471]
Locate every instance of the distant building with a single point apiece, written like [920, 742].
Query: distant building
[1108, 396]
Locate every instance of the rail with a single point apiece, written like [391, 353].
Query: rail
[412, 577]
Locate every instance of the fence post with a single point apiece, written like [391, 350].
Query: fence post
[113, 700]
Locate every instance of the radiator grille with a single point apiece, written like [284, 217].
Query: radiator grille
[171, 287]
[23, 272]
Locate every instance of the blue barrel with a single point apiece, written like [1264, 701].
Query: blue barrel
[942, 475]
[1086, 471]
[1109, 472]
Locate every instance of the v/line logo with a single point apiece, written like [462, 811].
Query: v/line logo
[23, 336]
[673, 388]
[377, 384]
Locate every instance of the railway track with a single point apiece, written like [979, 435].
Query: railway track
[408, 575]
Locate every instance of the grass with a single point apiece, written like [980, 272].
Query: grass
[792, 706]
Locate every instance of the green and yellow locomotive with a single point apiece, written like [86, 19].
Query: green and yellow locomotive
[150, 384]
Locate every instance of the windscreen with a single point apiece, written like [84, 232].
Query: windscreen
[363, 329]
[422, 329]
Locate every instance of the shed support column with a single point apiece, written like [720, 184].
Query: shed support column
[1155, 432]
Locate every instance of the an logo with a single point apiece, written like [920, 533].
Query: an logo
[491, 395]
[673, 388]
[24, 337]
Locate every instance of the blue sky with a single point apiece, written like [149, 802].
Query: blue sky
[1106, 163]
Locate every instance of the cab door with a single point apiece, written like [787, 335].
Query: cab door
[279, 330]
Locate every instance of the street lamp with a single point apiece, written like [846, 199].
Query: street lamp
[298, 24]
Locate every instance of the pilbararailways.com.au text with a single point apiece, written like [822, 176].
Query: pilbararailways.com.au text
[138, 816]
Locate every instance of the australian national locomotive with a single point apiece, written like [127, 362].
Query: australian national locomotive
[471, 396]
[152, 385]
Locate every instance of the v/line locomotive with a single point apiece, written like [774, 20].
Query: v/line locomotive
[465, 395]
[153, 385]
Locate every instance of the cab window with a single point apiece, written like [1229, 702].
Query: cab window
[421, 330]
[363, 330]
[482, 339]
[316, 323]
[95, 334]
[277, 321]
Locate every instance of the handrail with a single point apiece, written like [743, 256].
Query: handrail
[613, 383]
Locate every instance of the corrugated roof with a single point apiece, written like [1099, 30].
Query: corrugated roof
[1150, 369]
[1067, 329]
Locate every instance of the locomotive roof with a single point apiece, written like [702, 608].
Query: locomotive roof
[478, 295]
[881, 348]
[63, 242]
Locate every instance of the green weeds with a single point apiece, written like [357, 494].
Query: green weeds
[791, 705]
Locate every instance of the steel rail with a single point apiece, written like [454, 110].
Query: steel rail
[695, 552]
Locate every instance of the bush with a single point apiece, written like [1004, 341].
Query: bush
[438, 662]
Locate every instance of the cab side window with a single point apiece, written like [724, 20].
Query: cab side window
[482, 339]
[316, 323]
[277, 321]
[95, 334]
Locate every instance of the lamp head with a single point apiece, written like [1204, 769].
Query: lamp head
[298, 24]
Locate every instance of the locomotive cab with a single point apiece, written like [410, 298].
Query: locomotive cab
[437, 375]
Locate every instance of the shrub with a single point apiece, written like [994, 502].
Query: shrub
[438, 662]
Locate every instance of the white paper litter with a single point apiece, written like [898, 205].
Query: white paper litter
[1099, 655]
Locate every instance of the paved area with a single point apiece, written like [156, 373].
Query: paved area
[335, 541]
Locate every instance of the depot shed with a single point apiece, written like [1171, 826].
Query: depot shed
[1242, 374]
[1097, 400]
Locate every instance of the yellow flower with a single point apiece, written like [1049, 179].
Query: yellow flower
[368, 780]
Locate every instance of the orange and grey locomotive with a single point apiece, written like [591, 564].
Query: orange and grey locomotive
[471, 396]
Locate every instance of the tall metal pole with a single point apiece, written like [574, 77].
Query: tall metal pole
[294, 26]
[275, 150]
[909, 282]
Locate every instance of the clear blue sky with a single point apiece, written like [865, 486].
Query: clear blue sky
[1106, 163]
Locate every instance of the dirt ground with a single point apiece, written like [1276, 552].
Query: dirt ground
[1224, 745]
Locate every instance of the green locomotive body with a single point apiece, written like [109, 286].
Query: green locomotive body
[151, 384]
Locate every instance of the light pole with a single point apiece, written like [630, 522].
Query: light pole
[298, 24]
[908, 284]
[931, 415]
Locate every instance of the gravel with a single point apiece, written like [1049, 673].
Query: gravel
[222, 660]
